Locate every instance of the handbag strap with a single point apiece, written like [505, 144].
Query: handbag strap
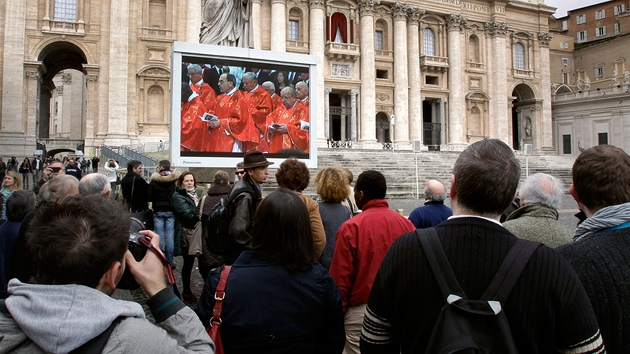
[219, 295]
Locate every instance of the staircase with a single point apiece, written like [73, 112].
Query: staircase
[399, 168]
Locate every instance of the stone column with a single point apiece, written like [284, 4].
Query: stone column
[80, 16]
[193, 20]
[13, 74]
[91, 111]
[256, 23]
[401, 79]
[316, 45]
[415, 76]
[456, 104]
[326, 126]
[499, 114]
[442, 122]
[353, 114]
[343, 117]
[278, 25]
[118, 74]
[543, 133]
[368, 73]
[33, 71]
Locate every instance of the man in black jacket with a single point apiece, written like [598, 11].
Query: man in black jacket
[135, 188]
[242, 203]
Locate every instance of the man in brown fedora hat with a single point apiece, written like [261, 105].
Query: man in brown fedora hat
[242, 202]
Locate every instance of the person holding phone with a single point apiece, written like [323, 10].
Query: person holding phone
[53, 169]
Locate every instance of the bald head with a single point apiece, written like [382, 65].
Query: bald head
[434, 191]
[541, 188]
[301, 89]
[95, 183]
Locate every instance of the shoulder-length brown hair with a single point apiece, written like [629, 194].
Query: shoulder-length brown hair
[332, 185]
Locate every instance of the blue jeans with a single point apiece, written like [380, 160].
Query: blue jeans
[165, 227]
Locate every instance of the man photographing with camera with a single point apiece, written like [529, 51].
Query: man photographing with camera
[68, 307]
[53, 169]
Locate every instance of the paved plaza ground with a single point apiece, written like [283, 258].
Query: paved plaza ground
[569, 208]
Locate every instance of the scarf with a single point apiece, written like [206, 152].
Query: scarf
[193, 194]
[603, 219]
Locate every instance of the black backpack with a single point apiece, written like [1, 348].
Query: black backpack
[473, 326]
[218, 226]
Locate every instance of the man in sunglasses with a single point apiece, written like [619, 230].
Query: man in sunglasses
[53, 169]
[240, 172]
[68, 307]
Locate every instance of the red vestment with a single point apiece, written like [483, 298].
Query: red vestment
[276, 102]
[259, 107]
[206, 93]
[236, 123]
[194, 134]
[296, 138]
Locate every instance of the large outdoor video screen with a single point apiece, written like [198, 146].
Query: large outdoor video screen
[218, 113]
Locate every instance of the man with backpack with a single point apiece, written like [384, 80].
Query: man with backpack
[547, 309]
[68, 308]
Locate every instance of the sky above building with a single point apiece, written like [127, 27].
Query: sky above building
[567, 5]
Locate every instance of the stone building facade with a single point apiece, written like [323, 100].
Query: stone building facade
[442, 73]
[590, 77]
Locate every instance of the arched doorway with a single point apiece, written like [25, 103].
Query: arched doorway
[524, 108]
[62, 96]
[383, 128]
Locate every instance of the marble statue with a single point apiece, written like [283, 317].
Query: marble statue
[226, 22]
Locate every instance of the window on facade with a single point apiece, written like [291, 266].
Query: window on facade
[157, 13]
[339, 27]
[600, 31]
[519, 56]
[428, 42]
[473, 49]
[599, 71]
[602, 138]
[564, 45]
[378, 39]
[565, 25]
[294, 30]
[599, 14]
[565, 78]
[566, 144]
[617, 29]
[581, 37]
[618, 9]
[580, 19]
[65, 10]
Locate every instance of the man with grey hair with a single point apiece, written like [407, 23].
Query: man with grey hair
[537, 218]
[198, 86]
[259, 105]
[301, 89]
[95, 183]
[276, 101]
[433, 211]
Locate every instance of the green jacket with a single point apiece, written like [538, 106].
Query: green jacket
[539, 223]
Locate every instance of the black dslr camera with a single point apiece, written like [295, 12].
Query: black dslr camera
[138, 250]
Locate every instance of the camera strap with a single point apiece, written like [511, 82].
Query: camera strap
[170, 277]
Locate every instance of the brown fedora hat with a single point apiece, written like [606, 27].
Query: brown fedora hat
[255, 159]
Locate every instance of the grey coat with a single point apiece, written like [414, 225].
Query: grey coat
[539, 223]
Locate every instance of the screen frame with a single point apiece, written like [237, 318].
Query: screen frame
[181, 52]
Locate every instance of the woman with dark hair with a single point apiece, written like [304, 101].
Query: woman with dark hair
[185, 202]
[25, 170]
[280, 80]
[294, 175]
[10, 184]
[220, 189]
[332, 187]
[277, 300]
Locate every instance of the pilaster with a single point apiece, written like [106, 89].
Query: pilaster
[326, 126]
[368, 73]
[401, 79]
[316, 46]
[353, 114]
[256, 23]
[279, 25]
[117, 132]
[13, 95]
[193, 20]
[414, 76]
[499, 111]
[455, 24]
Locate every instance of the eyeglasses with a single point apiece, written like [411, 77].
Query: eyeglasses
[240, 172]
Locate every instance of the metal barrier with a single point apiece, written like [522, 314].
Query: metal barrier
[124, 154]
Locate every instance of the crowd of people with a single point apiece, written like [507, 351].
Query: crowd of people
[315, 275]
[232, 110]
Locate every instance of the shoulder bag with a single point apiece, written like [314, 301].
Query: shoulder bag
[194, 241]
[215, 321]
